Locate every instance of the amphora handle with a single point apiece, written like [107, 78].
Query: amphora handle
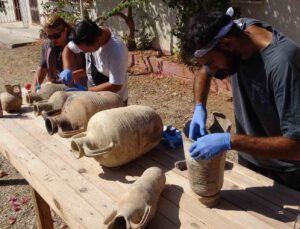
[98, 152]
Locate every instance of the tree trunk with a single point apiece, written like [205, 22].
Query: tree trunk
[130, 23]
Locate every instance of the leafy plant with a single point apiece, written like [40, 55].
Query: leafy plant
[67, 9]
[127, 6]
[144, 34]
[185, 9]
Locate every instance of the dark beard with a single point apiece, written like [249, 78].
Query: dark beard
[222, 74]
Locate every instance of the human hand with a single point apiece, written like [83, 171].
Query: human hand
[66, 76]
[210, 145]
[76, 87]
[198, 123]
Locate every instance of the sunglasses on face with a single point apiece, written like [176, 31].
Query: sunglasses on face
[54, 36]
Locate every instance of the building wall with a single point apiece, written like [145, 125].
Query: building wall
[281, 14]
[8, 13]
[160, 17]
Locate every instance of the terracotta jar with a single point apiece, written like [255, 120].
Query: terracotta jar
[11, 100]
[115, 137]
[77, 111]
[55, 102]
[45, 92]
[138, 205]
[206, 176]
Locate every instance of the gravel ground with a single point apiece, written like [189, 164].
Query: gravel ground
[170, 97]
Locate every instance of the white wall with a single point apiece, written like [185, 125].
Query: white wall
[9, 14]
[158, 14]
[282, 14]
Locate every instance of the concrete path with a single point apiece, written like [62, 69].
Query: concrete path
[14, 34]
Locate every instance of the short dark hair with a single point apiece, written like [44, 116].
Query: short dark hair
[85, 32]
[201, 30]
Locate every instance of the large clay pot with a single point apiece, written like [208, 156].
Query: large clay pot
[206, 176]
[138, 205]
[11, 100]
[45, 92]
[77, 111]
[117, 136]
[55, 102]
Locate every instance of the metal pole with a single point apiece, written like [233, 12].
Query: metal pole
[81, 9]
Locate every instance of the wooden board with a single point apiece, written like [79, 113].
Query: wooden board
[83, 193]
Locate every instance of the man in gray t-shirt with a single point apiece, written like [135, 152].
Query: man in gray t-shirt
[265, 69]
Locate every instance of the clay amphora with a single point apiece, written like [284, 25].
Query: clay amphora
[77, 110]
[46, 91]
[117, 136]
[138, 205]
[206, 176]
[11, 100]
[55, 102]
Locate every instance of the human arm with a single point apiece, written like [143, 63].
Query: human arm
[284, 87]
[201, 86]
[106, 87]
[38, 78]
[114, 66]
[281, 148]
[201, 89]
[69, 64]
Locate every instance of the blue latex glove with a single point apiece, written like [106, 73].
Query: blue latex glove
[210, 145]
[66, 76]
[198, 123]
[76, 87]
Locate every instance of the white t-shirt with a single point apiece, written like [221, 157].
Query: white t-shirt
[111, 60]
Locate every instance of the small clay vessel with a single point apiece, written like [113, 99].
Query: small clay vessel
[117, 136]
[77, 111]
[206, 176]
[45, 92]
[55, 102]
[11, 100]
[138, 205]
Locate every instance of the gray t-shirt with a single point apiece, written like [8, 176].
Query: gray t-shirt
[266, 94]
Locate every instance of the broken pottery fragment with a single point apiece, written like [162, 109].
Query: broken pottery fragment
[138, 205]
[11, 100]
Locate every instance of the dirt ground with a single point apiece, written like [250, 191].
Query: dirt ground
[170, 97]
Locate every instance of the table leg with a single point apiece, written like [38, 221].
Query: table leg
[42, 211]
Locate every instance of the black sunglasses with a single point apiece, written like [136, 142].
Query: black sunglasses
[54, 36]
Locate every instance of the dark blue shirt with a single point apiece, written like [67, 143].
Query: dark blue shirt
[266, 94]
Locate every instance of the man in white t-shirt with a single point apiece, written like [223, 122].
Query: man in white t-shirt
[106, 59]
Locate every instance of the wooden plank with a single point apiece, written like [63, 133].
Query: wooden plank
[281, 190]
[169, 164]
[52, 189]
[287, 202]
[194, 212]
[242, 204]
[42, 211]
[73, 177]
[90, 169]
[280, 195]
[212, 220]
[262, 209]
[190, 203]
[172, 217]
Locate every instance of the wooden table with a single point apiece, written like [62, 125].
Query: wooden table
[82, 193]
